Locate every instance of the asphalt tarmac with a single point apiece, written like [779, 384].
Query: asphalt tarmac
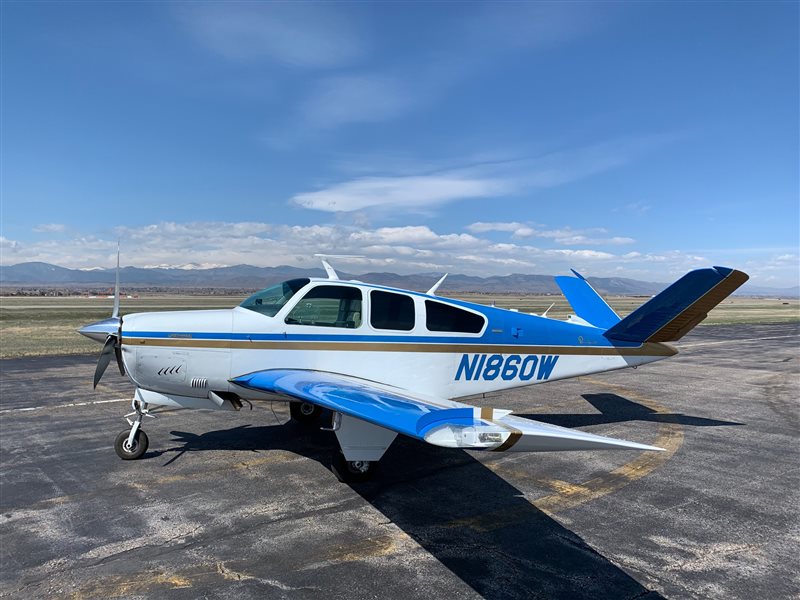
[243, 505]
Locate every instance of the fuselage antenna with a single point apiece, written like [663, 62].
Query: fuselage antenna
[432, 291]
[329, 270]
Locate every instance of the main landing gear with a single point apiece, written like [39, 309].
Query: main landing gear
[346, 471]
[132, 443]
[352, 471]
[304, 413]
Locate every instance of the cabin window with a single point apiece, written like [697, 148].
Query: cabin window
[269, 301]
[391, 311]
[445, 317]
[328, 306]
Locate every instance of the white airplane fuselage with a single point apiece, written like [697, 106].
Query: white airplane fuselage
[187, 358]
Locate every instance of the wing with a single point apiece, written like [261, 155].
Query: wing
[436, 421]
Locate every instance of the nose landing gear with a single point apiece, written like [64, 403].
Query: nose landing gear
[132, 444]
[131, 451]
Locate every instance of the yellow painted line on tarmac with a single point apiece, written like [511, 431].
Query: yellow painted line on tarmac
[669, 437]
[376, 546]
[122, 586]
[568, 495]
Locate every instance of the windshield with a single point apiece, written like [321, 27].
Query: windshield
[269, 301]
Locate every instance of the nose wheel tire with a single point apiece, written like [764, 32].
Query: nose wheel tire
[135, 450]
[304, 412]
[352, 471]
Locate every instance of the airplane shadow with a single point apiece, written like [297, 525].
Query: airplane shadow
[476, 524]
[616, 409]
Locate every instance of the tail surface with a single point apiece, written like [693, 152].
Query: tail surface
[670, 315]
[586, 302]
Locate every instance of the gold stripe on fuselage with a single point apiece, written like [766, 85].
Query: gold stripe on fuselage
[647, 349]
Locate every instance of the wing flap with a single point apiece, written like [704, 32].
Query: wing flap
[439, 422]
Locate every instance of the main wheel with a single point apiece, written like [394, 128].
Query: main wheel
[352, 471]
[135, 451]
[304, 412]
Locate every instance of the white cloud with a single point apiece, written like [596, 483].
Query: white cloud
[482, 227]
[7, 244]
[293, 33]
[50, 228]
[500, 178]
[406, 192]
[582, 254]
[406, 249]
[576, 239]
[566, 236]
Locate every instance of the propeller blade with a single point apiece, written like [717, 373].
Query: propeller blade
[105, 358]
[115, 312]
[118, 353]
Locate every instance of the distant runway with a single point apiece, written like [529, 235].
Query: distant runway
[242, 505]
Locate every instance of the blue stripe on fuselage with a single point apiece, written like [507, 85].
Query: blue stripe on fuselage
[491, 339]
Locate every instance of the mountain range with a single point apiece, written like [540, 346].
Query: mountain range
[248, 277]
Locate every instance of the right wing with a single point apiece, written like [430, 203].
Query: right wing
[439, 422]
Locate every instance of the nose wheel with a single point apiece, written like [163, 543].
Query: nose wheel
[132, 443]
[131, 451]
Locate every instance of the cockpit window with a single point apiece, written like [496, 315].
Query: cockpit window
[269, 301]
[328, 306]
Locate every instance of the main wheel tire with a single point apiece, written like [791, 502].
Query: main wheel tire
[304, 412]
[140, 443]
[352, 471]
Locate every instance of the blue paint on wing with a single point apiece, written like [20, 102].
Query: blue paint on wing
[392, 410]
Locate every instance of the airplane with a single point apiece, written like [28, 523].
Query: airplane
[386, 361]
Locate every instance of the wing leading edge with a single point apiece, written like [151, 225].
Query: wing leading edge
[439, 422]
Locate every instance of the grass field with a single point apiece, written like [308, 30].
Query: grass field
[39, 326]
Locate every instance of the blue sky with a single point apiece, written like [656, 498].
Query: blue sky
[628, 139]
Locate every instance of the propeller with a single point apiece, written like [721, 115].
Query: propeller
[112, 328]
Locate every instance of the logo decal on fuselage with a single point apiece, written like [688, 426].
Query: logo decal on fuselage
[491, 366]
